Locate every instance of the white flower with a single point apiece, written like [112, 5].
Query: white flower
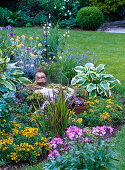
[68, 35]
[49, 24]
[32, 65]
[27, 65]
[70, 13]
[21, 62]
[65, 14]
[60, 57]
[55, 7]
[64, 35]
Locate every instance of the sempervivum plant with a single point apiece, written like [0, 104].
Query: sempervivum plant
[94, 80]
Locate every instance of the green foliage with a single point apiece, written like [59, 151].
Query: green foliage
[108, 6]
[3, 16]
[84, 156]
[14, 17]
[35, 98]
[23, 144]
[54, 120]
[93, 80]
[10, 75]
[100, 112]
[68, 23]
[118, 144]
[90, 18]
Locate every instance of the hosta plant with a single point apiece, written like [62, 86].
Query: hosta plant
[10, 74]
[94, 80]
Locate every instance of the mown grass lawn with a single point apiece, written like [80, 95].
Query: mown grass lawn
[109, 47]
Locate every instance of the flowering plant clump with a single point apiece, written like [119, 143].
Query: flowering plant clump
[80, 148]
[100, 111]
[5, 35]
[28, 53]
[23, 144]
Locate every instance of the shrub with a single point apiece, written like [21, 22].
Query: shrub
[68, 23]
[90, 18]
[108, 6]
[3, 16]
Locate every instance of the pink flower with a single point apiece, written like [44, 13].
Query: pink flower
[86, 139]
[110, 129]
[84, 130]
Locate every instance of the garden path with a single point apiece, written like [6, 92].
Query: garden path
[113, 27]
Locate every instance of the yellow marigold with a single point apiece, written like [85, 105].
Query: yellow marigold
[108, 106]
[39, 45]
[90, 97]
[105, 115]
[37, 38]
[79, 120]
[29, 132]
[91, 110]
[119, 107]
[112, 110]
[97, 101]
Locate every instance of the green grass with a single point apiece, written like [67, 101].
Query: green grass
[36, 167]
[109, 47]
[119, 149]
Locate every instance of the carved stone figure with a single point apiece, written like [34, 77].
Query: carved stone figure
[40, 77]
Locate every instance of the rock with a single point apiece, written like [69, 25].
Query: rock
[50, 91]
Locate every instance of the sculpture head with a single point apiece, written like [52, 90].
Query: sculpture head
[40, 77]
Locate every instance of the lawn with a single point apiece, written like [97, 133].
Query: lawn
[109, 47]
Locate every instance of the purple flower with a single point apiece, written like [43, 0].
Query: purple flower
[12, 34]
[110, 129]
[1, 28]
[12, 30]
[8, 27]
[28, 49]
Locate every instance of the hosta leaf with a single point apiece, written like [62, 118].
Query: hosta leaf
[105, 85]
[89, 66]
[86, 83]
[99, 90]
[108, 77]
[8, 84]
[100, 68]
[93, 93]
[11, 66]
[108, 93]
[118, 81]
[91, 87]
[74, 81]
[79, 69]
[17, 72]
[82, 81]
[24, 80]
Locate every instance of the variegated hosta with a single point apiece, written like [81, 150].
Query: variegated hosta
[94, 80]
[9, 75]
